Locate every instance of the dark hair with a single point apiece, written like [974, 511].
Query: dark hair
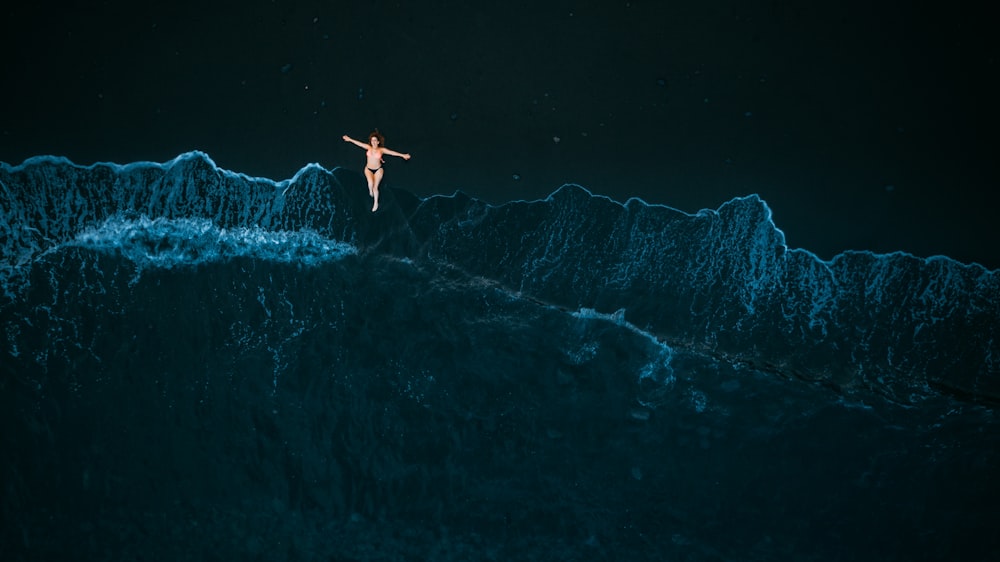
[377, 135]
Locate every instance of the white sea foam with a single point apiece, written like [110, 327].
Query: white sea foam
[166, 243]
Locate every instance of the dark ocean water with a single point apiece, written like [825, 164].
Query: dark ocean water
[201, 365]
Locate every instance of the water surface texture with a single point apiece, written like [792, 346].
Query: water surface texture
[199, 364]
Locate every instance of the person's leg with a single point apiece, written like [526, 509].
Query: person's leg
[370, 176]
[378, 179]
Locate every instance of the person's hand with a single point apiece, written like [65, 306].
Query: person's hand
[347, 138]
[406, 157]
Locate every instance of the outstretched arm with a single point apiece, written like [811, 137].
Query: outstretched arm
[359, 143]
[394, 153]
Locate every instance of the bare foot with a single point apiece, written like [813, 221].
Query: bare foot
[375, 206]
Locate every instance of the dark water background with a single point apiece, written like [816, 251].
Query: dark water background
[197, 364]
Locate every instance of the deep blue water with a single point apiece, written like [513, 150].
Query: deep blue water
[197, 364]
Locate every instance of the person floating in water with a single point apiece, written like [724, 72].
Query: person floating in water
[375, 149]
